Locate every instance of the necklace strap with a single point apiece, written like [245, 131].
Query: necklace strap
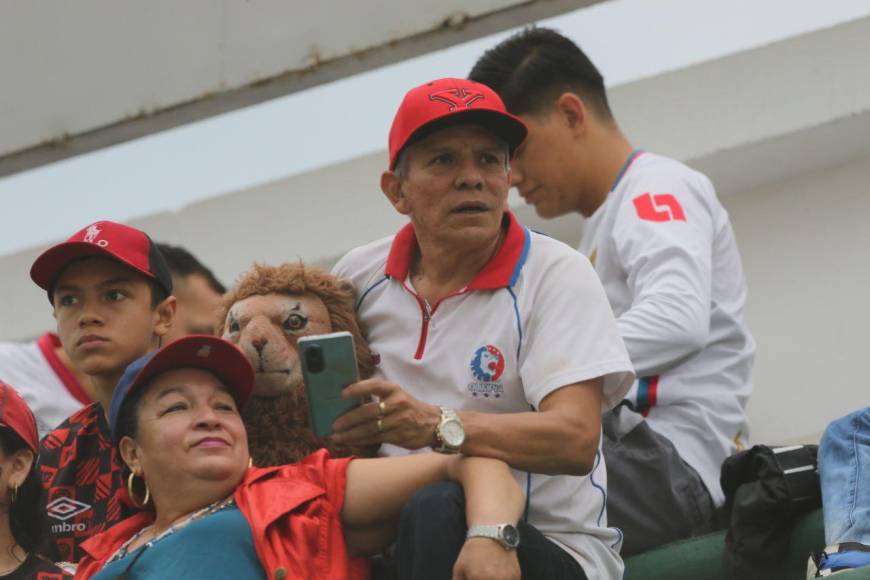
[207, 510]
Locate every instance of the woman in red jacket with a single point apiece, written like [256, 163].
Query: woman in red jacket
[210, 514]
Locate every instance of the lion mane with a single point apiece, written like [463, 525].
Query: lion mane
[278, 427]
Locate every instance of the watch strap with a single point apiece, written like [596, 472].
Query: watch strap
[441, 445]
[493, 532]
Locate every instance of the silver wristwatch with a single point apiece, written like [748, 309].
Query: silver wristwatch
[505, 534]
[449, 434]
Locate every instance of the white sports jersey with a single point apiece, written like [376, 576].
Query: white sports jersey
[664, 249]
[50, 389]
[533, 320]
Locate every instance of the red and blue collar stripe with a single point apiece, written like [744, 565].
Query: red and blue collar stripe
[502, 271]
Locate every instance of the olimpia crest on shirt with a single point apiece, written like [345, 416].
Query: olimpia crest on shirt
[487, 366]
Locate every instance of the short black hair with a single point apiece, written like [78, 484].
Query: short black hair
[26, 514]
[158, 292]
[182, 264]
[530, 69]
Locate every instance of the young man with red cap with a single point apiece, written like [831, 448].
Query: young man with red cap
[665, 251]
[55, 389]
[111, 292]
[493, 341]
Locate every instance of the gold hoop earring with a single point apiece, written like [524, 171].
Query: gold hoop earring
[13, 494]
[132, 494]
[250, 462]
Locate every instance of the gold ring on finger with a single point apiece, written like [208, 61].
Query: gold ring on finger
[380, 425]
[382, 409]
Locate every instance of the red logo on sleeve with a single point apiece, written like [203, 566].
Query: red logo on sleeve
[663, 207]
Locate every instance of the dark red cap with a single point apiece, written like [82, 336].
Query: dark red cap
[445, 102]
[125, 244]
[198, 351]
[16, 415]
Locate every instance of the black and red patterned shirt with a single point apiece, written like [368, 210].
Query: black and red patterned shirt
[36, 568]
[81, 473]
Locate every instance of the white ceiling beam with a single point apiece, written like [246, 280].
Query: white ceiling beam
[82, 76]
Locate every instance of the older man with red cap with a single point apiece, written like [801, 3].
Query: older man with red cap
[493, 341]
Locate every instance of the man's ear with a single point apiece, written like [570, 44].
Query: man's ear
[130, 455]
[164, 314]
[391, 185]
[22, 462]
[573, 111]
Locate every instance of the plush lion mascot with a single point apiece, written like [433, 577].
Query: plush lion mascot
[264, 315]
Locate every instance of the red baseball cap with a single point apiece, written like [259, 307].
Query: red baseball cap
[16, 415]
[123, 243]
[450, 101]
[199, 351]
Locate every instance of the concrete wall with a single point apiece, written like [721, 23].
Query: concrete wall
[85, 75]
[805, 243]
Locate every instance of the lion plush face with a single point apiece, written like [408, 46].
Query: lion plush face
[266, 328]
[267, 312]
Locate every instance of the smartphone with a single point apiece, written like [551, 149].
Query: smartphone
[328, 366]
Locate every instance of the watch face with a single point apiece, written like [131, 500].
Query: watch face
[452, 433]
[511, 535]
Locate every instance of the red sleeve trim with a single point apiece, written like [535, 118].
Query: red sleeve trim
[47, 343]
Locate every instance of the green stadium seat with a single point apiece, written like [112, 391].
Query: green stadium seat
[700, 558]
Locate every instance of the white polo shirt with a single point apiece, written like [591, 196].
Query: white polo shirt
[533, 320]
[50, 389]
[666, 254]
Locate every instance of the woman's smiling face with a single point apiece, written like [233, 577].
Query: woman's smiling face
[188, 429]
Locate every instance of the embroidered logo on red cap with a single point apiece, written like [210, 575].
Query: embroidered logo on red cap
[663, 207]
[459, 98]
[91, 234]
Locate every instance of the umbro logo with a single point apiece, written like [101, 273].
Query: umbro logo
[64, 508]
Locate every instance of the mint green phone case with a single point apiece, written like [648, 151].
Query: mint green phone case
[325, 381]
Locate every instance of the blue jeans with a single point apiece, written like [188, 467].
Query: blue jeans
[844, 471]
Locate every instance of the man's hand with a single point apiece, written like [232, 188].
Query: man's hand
[396, 418]
[485, 558]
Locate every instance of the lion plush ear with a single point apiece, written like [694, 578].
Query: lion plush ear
[345, 286]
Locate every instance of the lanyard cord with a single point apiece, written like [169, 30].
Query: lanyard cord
[631, 157]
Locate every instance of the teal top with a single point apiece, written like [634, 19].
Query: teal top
[219, 545]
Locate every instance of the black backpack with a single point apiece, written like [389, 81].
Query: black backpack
[765, 489]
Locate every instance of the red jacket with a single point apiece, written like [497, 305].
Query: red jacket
[294, 513]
